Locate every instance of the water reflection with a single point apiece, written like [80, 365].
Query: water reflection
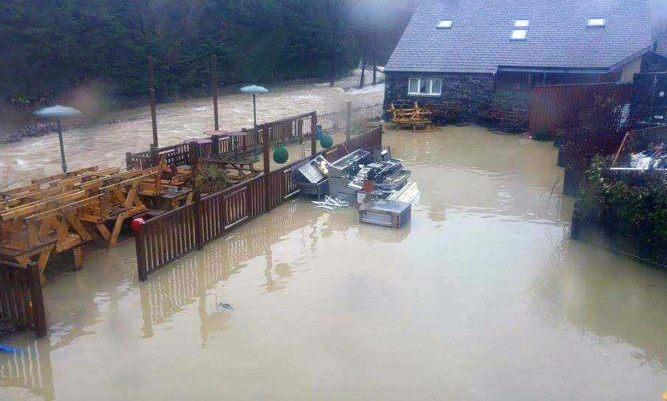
[30, 369]
[200, 278]
[608, 296]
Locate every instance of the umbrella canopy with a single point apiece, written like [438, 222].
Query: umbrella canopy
[57, 112]
[254, 89]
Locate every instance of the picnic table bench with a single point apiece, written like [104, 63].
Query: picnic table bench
[414, 118]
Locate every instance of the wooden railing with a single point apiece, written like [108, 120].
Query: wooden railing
[293, 129]
[173, 235]
[21, 299]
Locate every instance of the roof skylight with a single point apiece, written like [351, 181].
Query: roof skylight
[519, 34]
[446, 24]
[522, 23]
[597, 22]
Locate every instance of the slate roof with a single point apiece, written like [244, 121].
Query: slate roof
[558, 36]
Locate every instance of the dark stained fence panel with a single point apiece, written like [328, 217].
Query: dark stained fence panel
[21, 299]
[559, 107]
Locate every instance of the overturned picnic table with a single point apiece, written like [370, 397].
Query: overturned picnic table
[414, 118]
[55, 214]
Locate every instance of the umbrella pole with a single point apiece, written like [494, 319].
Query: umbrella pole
[254, 108]
[63, 164]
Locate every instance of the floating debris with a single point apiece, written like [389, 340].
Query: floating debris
[331, 204]
[222, 306]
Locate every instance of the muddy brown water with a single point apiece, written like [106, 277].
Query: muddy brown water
[106, 145]
[481, 297]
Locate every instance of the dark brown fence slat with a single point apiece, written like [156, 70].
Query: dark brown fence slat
[552, 107]
[173, 235]
[21, 299]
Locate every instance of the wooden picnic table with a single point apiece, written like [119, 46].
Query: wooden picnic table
[242, 163]
[412, 118]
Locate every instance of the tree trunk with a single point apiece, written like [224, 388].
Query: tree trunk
[374, 52]
[364, 56]
[334, 47]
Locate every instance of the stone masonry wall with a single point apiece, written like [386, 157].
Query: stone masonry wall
[470, 91]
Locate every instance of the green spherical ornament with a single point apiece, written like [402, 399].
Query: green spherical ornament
[326, 141]
[280, 155]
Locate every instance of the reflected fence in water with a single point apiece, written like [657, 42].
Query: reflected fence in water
[188, 282]
[29, 369]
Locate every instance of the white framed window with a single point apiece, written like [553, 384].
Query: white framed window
[597, 22]
[522, 23]
[425, 86]
[519, 34]
[446, 24]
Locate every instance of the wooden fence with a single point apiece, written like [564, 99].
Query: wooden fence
[173, 235]
[21, 299]
[565, 107]
[291, 129]
[344, 119]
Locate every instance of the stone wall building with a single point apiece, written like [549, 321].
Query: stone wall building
[466, 51]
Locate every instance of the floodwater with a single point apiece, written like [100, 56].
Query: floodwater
[481, 297]
[106, 145]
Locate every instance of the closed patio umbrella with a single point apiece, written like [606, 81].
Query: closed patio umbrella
[254, 90]
[58, 112]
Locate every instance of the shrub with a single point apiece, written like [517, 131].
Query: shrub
[631, 203]
[211, 179]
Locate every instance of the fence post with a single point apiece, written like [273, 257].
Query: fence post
[128, 160]
[267, 167]
[313, 134]
[299, 130]
[215, 144]
[199, 238]
[141, 254]
[194, 158]
[348, 122]
[151, 95]
[155, 156]
[214, 83]
[381, 131]
[38, 312]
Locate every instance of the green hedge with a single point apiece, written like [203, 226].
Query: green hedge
[628, 203]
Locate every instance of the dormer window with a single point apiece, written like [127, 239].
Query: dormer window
[597, 22]
[446, 24]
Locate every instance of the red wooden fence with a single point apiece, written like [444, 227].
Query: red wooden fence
[173, 235]
[21, 299]
[561, 107]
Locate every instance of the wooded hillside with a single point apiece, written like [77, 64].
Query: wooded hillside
[50, 46]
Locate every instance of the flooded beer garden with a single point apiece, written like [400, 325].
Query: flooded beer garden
[428, 200]
[481, 295]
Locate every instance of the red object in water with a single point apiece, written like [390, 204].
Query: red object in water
[136, 224]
